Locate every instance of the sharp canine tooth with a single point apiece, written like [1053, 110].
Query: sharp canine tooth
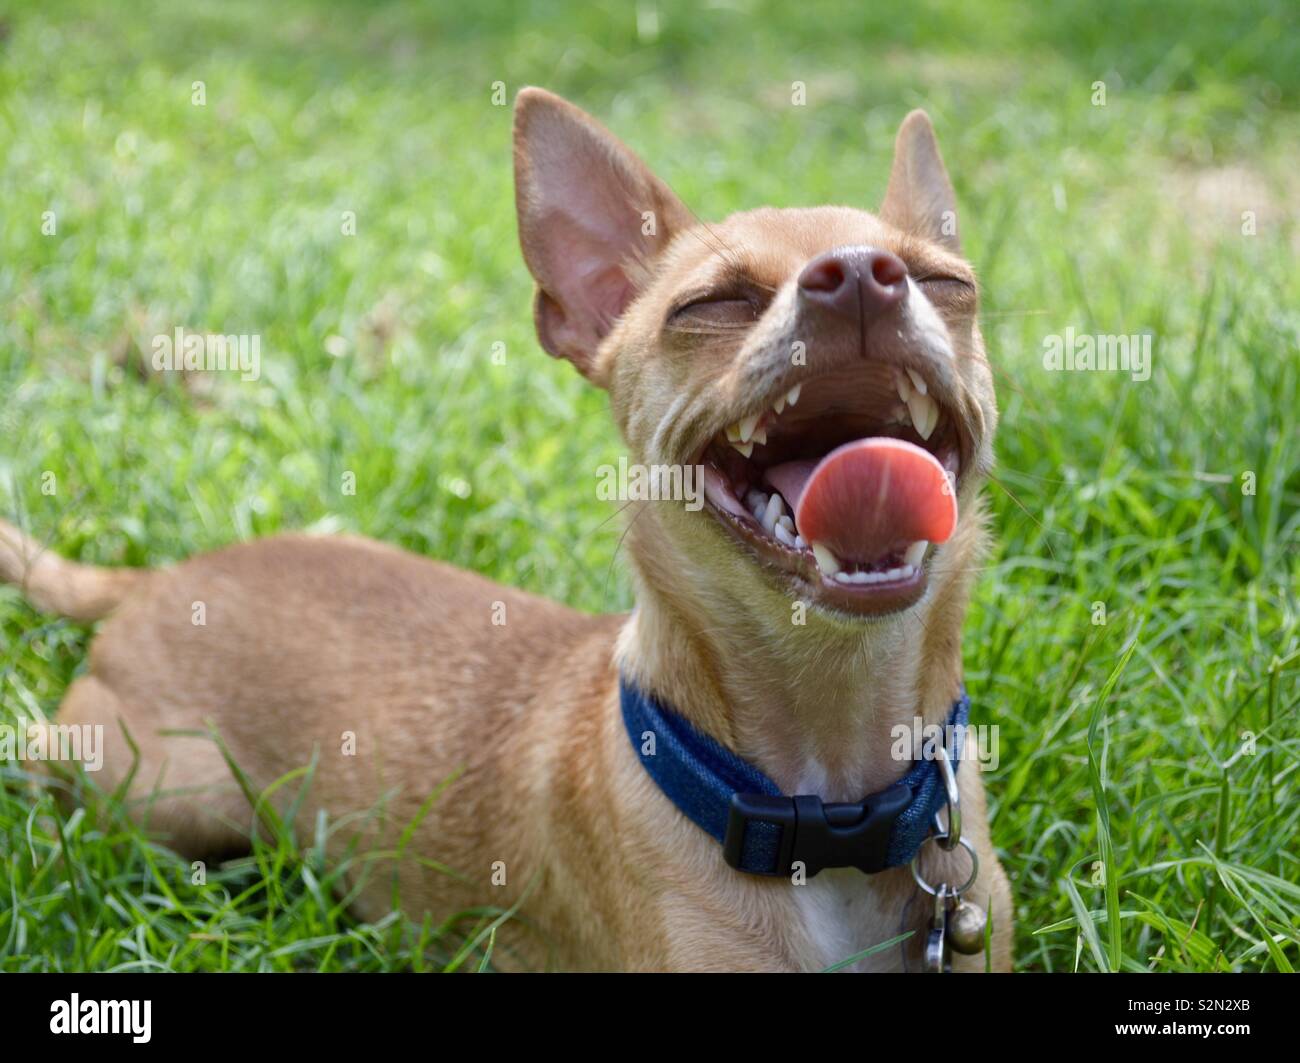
[760, 435]
[747, 426]
[783, 536]
[925, 414]
[918, 382]
[792, 396]
[916, 553]
[733, 432]
[745, 448]
[787, 524]
[826, 561]
[904, 389]
[779, 405]
[916, 407]
[774, 511]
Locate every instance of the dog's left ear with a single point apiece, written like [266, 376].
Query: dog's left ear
[592, 218]
[920, 198]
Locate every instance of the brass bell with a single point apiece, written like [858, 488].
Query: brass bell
[966, 929]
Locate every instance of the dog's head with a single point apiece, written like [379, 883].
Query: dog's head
[824, 366]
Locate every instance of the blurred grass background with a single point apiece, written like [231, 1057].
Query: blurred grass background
[377, 358]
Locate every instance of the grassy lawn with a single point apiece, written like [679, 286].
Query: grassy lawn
[1135, 637]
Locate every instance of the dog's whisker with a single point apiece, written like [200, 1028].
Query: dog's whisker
[1024, 509]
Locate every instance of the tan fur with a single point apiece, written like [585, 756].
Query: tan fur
[82, 592]
[309, 639]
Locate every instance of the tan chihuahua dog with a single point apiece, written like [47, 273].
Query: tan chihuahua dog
[825, 369]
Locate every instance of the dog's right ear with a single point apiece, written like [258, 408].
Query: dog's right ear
[592, 217]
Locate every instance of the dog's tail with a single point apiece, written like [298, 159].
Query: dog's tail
[55, 585]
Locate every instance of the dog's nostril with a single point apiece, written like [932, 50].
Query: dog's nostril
[888, 269]
[823, 275]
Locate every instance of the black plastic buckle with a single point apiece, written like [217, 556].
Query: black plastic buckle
[818, 835]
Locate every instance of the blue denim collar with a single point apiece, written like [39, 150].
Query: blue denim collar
[764, 832]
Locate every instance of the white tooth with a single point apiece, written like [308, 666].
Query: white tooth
[774, 511]
[787, 524]
[843, 577]
[745, 448]
[792, 396]
[904, 388]
[873, 577]
[932, 416]
[760, 435]
[900, 414]
[800, 543]
[779, 405]
[826, 561]
[747, 426]
[925, 414]
[733, 432]
[907, 572]
[893, 574]
[858, 577]
[918, 381]
[783, 536]
[916, 409]
[755, 500]
[916, 553]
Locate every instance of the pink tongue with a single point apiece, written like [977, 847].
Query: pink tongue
[868, 498]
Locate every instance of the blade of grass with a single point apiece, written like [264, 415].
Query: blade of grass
[1097, 778]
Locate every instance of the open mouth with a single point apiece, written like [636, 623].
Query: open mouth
[845, 483]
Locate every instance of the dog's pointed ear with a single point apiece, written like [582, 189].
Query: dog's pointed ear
[592, 217]
[920, 198]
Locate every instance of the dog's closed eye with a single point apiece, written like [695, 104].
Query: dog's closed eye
[713, 314]
[956, 292]
[941, 280]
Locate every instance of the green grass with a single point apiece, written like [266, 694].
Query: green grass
[1121, 741]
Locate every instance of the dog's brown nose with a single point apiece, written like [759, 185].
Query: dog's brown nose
[858, 282]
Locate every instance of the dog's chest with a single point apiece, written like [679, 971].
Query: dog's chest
[842, 912]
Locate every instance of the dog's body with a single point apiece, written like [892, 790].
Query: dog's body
[391, 674]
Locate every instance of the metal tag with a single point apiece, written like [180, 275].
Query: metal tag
[938, 946]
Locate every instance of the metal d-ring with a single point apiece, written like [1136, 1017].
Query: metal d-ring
[949, 837]
[958, 891]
